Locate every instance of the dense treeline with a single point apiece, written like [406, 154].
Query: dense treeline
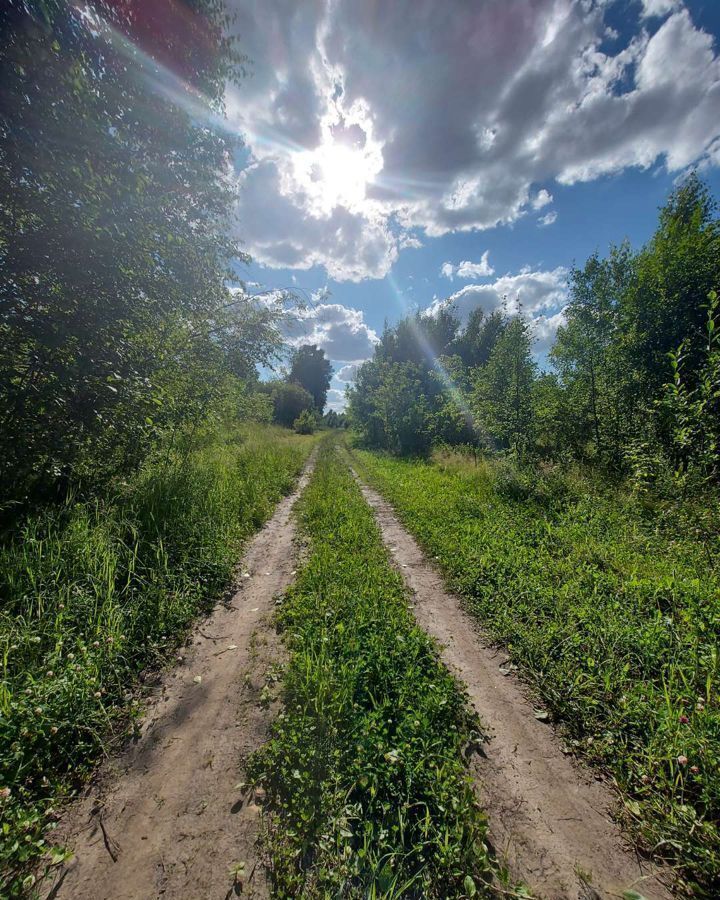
[635, 370]
[119, 325]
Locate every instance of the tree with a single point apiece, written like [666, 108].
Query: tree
[586, 354]
[305, 422]
[666, 307]
[310, 368]
[289, 401]
[503, 389]
[116, 322]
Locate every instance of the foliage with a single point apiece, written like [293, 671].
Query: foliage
[365, 779]
[613, 399]
[116, 322]
[609, 605]
[305, 422]
[403, 399]
[310, 368]
[503, 389]
[93, 592]
[334, 419]
[289, 400]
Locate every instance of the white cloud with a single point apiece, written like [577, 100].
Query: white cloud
[542, 198]
[467, 269]
[548, 219]
[544, 329]
[447, 270]
[348, 166]
[540, 294]
[336, 400]
[659, 7]
[348, 373]
[338, 330]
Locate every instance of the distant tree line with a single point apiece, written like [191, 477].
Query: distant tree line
[634, 384]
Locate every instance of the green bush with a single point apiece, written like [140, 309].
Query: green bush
[305, 422]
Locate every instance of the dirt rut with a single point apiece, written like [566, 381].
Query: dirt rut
[166, 819]
[549, 819]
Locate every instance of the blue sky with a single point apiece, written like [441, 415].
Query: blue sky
[389, 143]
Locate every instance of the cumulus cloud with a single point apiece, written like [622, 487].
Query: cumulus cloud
[659, 7]
[544, 330]
[542, 198]
[468, 270]
[548, 219]
[540, 294]
[338, 330]
[369, 124]
[336, 400]
[348, 373]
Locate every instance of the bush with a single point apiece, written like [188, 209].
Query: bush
[305, 423]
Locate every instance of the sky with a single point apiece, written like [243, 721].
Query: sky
[400, 155]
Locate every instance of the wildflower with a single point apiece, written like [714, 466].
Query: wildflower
[682, 760]
[71, 656]
[38, 710]
[50, 673]
[110, 639]
[96, 643]
[97, 695]
[5, 793]
[61, 606]
[695, 769]
[53, 729]
[684, 720]
[645, 779]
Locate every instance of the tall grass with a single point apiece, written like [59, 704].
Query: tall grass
[365, 777]
[93, 592]
[610, 604]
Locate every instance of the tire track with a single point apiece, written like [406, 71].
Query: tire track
[165, 818]
[550, 819]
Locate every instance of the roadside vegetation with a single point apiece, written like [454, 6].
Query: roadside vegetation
[95, 591]
[576, 508]
[366, 783]
[608, 605]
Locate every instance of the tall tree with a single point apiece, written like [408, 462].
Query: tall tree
[504, 389]
[587, 353]
[311, 369]
[116, 322]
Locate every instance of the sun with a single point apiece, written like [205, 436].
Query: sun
[343, 174]
[338, 174]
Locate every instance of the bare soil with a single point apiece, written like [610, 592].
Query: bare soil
[550, 819]
[166, 818]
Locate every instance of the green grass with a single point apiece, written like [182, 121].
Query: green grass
[94, 592]
[364, 774]
[611, 608]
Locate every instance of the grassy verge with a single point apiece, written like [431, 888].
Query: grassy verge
[365, 779]
[94, 592]
[612, 610]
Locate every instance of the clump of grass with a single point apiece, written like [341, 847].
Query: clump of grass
[612, 613]
[93, 592]
[365, 777]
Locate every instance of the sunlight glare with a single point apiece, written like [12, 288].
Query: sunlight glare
[337, 174]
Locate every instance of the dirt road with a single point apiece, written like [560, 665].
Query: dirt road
[549, 818]
[166, 818]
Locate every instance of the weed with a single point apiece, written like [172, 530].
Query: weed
[364, 774]
[94, 592]
[610, 610]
